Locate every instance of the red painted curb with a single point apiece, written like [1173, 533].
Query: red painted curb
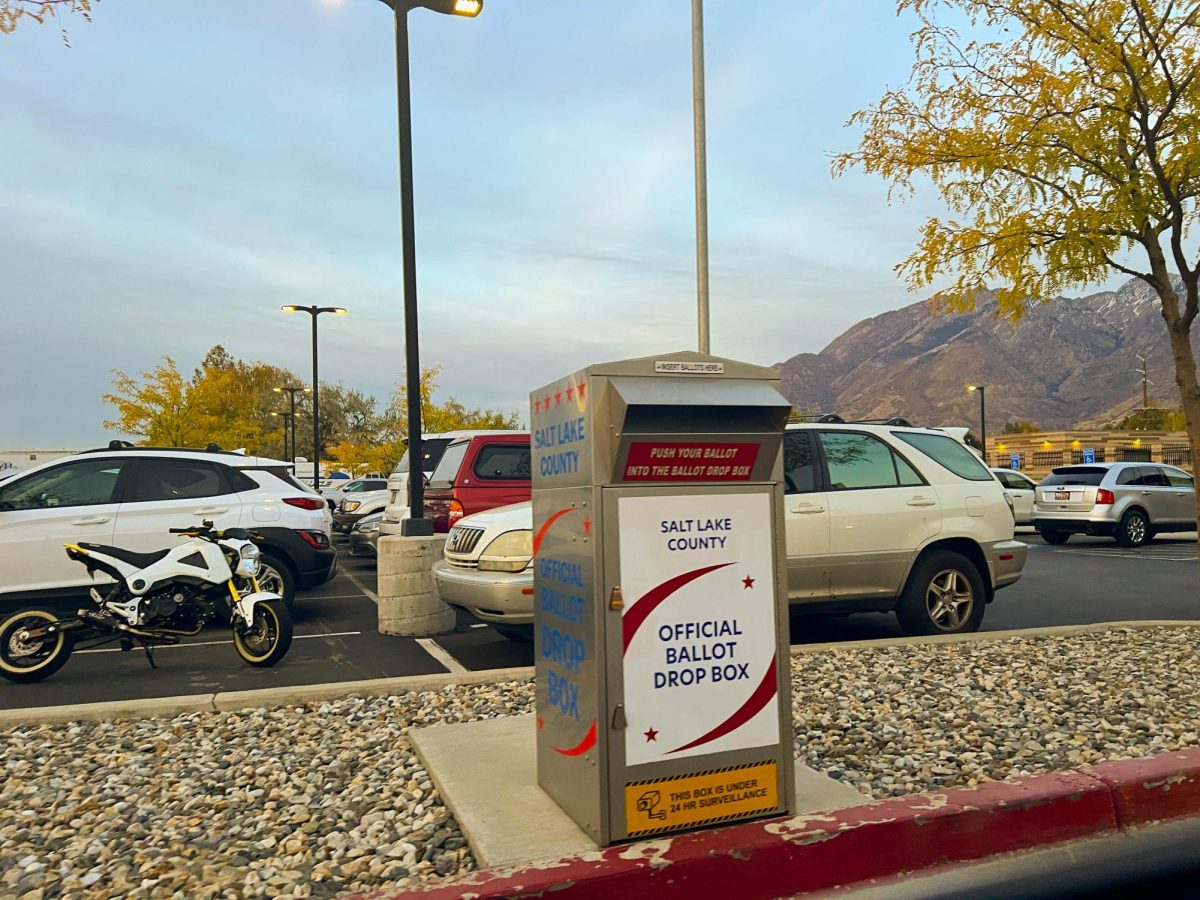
[815, 852]
[1162, 787]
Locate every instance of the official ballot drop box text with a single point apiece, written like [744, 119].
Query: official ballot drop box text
[662, 665]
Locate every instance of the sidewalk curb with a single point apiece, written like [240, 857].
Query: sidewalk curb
[234, 700]
[308, 693]
[818, 852]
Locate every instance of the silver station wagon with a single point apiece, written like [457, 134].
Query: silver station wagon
[1130, 502]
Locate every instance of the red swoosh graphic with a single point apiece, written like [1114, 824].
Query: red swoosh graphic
[648, 602]
[537, 538]
[761, 696]
[588, 742]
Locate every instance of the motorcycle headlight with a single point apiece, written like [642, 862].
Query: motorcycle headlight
[511, 552]
[251, 560]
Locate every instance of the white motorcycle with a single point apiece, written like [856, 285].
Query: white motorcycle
[157, 599]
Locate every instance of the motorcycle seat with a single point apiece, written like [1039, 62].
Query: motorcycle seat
[141, 560]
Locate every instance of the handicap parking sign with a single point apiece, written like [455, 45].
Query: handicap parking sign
[1014, 461]
[1089, 455]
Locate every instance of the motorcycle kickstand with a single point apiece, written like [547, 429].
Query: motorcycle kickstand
[149, 648]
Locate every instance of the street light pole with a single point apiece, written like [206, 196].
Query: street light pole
[982, 390]
[701, 153]
[416, 525]
[315, 311]
[290, 390]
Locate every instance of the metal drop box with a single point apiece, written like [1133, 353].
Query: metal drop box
[661, 626]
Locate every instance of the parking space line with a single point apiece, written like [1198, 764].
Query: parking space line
[298, 637]
[442, 655]
[362, 587]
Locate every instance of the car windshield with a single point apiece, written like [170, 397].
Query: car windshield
[431, 449]
[948, 453]
[449, 464]
[355, 487]
[1089, 476]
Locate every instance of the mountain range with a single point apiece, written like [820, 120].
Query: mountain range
[1064, 364]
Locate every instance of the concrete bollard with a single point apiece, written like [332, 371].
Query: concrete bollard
[408, 600]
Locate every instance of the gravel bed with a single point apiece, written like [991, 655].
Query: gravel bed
[329, 798]
[292, 802]
[898, 720]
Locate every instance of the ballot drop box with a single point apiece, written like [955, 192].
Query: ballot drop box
[662, 664]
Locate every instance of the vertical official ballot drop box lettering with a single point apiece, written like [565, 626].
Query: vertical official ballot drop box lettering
[661, 628]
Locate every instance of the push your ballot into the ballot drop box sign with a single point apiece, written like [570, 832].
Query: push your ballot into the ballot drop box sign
[661, 651]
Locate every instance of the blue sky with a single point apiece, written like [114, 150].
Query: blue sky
[186, 167]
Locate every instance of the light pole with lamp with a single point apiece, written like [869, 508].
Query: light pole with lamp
[290, 390]
[981, 389]
[285, 417]
[314, 311]
[416, 525]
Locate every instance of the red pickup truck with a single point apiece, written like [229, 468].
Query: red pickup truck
[478, 473]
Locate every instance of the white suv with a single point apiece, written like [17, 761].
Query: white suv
[878, 518]
[129, 497]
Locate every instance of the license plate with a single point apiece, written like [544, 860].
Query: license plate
[1062, 495]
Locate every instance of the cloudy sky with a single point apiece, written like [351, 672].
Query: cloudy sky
[186, 167]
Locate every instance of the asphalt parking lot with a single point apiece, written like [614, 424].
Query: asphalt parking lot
[1088, 580]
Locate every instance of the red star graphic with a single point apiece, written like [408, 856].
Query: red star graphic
[537, 405]
[558, 398]
[546, 402]
[541, 723]
[748, 582]
[570, 390]
[651, 734]
[581, 389]
[587, 527]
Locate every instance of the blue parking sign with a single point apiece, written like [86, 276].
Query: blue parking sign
[1014, 461]
[1089, 455]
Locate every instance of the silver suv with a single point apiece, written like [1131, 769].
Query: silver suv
[1130, 502]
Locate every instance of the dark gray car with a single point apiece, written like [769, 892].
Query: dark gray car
[1128, 501]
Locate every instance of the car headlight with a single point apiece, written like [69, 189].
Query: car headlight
[251, 560]
[350, 505]
[511, 552]
[369, 527]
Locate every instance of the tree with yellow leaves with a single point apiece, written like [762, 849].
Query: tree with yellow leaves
[1064, 136]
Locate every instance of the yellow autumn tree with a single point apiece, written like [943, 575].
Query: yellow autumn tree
[13, 11]
[1064, 136]
[157, 406]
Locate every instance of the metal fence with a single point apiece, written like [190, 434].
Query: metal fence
[1133, 454]
[1097, 455]
[1047, 459]
[1177, 454]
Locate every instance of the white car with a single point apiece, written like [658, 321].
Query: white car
[1019, 488]
[128, 497]
[356, 506]
[335, 495]
[877, 518]
[487, 569]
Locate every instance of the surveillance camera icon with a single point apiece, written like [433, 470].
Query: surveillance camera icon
[648, 802]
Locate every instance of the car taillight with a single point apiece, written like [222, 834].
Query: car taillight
[1105, 497]
[318, 540]
[456, 511]
[305, 502]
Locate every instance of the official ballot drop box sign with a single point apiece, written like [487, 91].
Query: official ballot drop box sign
[663, 678]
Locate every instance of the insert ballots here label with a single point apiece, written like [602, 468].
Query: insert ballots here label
[698, 625]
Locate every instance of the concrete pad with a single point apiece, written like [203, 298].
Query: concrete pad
[486, 772]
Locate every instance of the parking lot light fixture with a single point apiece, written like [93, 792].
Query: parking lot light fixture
[416, 525]
[315, 312]
[981, 389]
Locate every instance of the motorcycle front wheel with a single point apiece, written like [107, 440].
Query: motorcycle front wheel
[266, 640]
[23, 658]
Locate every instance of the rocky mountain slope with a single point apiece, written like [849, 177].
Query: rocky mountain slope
[1063, 364]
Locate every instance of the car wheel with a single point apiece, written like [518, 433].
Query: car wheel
[1055, 537]
[522, 634]
[1134, 530]
[276, 576]
[944, 595]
